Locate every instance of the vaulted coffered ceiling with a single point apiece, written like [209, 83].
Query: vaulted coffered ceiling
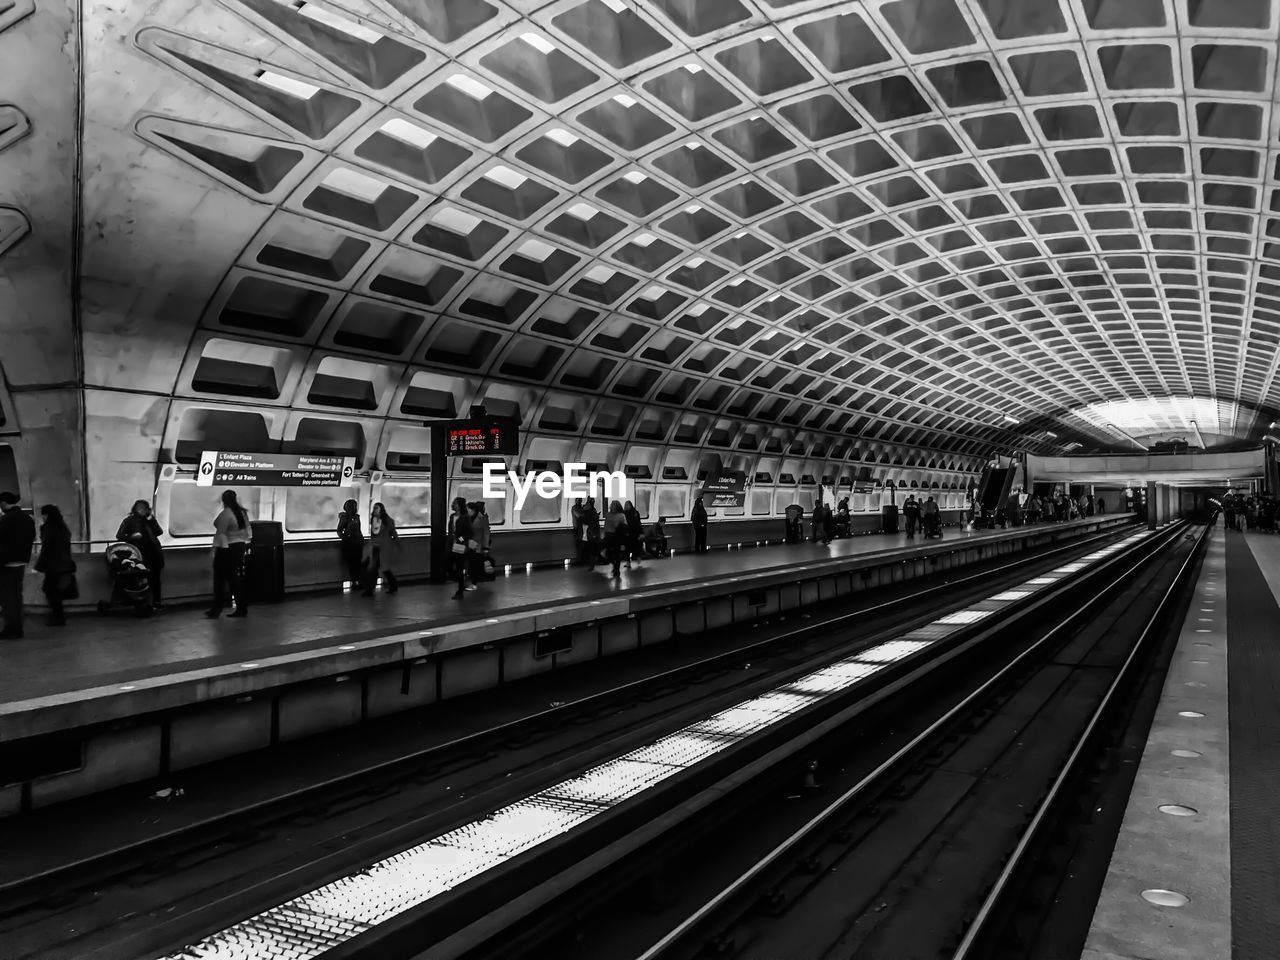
[954, 226]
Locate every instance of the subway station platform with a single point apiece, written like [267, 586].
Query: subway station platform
[1196, 869]
[117, 648]
[122, 699]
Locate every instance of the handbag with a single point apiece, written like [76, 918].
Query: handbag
[457, 548]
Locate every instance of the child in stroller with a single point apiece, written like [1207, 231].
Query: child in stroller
[130, 579]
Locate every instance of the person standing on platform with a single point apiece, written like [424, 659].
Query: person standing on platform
[384, 541]
[1102, 505]
[793, 518]
[351, 542]
[615, 536]
[482, 537]
[911, 514]
[141, 529]
[56, 563]
[635, 532]
[231, 536]
[1033, 509]
[461, 540]
[1229, 512]
[17, 537]
[575, 512]
[591, 532]
[699, 518]
[1013, 510]
[815, 522]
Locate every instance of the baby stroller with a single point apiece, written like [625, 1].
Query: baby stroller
[932, 525]
[130, 579]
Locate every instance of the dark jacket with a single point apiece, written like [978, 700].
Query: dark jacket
[55, 551]
[17, 537]
[460, 528]
[350, 536]
[699, 515]
[635, 525]
[148, 543]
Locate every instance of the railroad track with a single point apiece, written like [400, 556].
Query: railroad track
[786, 650]
[929, 841]
[494, 885]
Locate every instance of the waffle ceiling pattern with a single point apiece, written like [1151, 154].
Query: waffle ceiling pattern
[939, 223]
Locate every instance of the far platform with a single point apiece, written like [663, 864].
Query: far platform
[1196, 868]
[121, 653]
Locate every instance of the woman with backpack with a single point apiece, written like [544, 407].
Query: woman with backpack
[351, 542]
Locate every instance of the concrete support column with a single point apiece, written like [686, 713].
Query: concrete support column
[40, 358]
[1152, 508]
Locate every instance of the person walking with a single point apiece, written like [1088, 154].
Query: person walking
[615, 536]
[56, 563]
[481, 534]
[635, 532]
[699, 518]
[384, 542]
[460, 545]
[351, 542]
[591, 532]
[141, 529]
[231, 536]
[17, 537]
[575, 513]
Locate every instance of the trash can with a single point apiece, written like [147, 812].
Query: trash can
[264, 566]
[889, 518]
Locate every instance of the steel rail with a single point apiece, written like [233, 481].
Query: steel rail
[683, 930]
[999, 889]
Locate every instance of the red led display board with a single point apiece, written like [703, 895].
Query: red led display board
[483, 437]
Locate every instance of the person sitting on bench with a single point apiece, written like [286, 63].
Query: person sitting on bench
[655, 539]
